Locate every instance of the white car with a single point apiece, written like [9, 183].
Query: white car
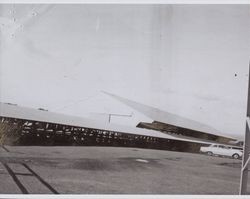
[222, 150]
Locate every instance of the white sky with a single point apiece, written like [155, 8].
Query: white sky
[191, 60]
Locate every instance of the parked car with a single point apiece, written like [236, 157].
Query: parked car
[222, 150]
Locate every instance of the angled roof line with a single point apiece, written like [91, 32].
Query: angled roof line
[167, 117]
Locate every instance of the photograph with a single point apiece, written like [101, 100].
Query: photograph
[124, 99]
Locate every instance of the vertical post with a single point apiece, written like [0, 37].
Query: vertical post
[244, 170]
[109, 118]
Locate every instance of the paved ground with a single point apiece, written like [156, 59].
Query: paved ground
[109, 170]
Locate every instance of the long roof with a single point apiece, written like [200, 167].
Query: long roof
[169, 118]
[18, 112]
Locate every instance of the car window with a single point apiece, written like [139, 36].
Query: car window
[224, 147]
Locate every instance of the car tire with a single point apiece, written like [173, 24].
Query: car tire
[236, 156]
[209, 153]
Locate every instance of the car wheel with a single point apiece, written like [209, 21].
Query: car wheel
[236, 156]
[209, 153]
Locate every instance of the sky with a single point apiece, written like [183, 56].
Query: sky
[190, 60]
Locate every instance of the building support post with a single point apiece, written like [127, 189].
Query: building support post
[246, 153]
